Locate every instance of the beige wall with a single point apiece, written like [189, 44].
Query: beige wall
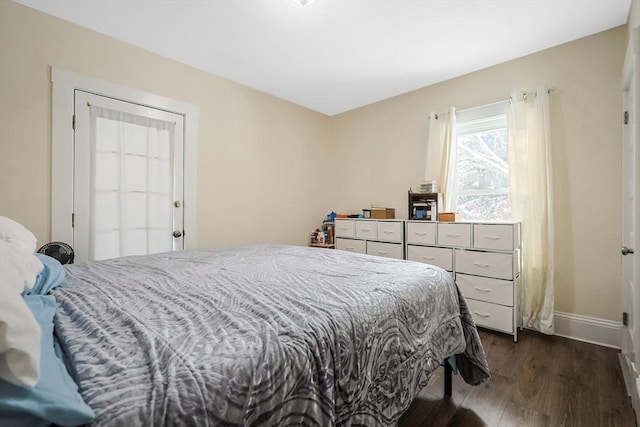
[259, 158]
[634, 15]
[381, 148]
[264, 169]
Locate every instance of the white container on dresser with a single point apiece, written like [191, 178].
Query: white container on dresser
[484, 259]
[381, 237]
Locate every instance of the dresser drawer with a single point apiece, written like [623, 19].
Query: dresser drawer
[389, 250]
[458, 235]
[345, 228]
[486, 289]
[492, 316]
[390, 231]
[490, 264]
[366, 229]
[493, 236]
[350, 245]
[441, 257]
[421, 232]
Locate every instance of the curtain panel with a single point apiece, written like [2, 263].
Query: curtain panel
[531, 197]
[441, 152]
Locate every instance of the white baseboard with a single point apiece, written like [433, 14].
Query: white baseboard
[589, 329]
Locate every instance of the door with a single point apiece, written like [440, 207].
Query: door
[630, 332]
[128, 179]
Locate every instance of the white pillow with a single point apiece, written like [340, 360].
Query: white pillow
[19, 331]
[16, 233]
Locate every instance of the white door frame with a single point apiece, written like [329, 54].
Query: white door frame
[64, 85]
[630, 335]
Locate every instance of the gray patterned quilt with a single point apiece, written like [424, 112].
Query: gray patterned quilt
[260, 335]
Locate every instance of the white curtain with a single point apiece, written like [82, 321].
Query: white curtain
[530, 188]
[441, 152]
[131, 184]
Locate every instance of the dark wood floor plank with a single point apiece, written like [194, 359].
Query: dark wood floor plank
[582, 407]
[539, 381]
[430, 411]
[517, 416]
[490, 399]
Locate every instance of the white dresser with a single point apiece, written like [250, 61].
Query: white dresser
[381, 237]
[485, 260]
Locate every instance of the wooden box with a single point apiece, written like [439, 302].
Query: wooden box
[449, 217]
[383, 213]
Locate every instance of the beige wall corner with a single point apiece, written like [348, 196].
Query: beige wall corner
[380, 151]
[263, 170]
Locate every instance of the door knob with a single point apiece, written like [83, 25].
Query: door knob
[177, 233]
[626, 250]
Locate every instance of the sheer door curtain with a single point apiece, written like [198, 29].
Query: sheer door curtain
[132, 184]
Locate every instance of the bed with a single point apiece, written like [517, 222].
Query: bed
[260, 335]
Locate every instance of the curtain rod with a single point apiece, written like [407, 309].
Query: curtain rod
[444, 113]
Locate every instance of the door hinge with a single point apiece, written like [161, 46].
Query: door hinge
[73, 122]
[626, 117]
[625, 319]
[73, 220]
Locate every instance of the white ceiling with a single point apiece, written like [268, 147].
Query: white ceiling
[335, 55]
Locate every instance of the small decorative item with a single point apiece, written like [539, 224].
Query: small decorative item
[366, 213]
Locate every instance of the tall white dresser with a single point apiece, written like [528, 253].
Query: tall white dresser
[381, 237]
[485, 260]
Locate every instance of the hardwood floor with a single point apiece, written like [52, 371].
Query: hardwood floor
[539, 381]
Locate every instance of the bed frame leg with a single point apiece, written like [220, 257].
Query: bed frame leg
[448, 372]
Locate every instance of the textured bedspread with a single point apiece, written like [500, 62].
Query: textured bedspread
[260, 335]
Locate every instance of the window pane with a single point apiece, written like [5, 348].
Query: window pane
[479, 207]
[481, 171]
[482, 160]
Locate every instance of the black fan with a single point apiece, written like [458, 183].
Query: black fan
[58, 250]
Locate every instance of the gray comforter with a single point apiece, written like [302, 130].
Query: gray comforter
[260, 335]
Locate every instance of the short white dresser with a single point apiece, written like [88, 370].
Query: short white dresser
[381, 237]
[485, 260]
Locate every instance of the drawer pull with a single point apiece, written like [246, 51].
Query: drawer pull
[482, 314]
[387, 231]
[420, 233]
[478, 264]
[344, 228]
[366, 230]
[383, 253]
[349, 248]
[428, 258]
[492, 237]
[453, 235]
[482, 289]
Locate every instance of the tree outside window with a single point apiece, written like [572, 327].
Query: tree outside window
[481, 170]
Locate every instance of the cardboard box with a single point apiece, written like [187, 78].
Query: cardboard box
[383, 213]
[449, 217]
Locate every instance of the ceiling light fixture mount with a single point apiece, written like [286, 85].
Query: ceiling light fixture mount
[304, 2]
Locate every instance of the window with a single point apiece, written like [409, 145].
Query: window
[480, 169]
